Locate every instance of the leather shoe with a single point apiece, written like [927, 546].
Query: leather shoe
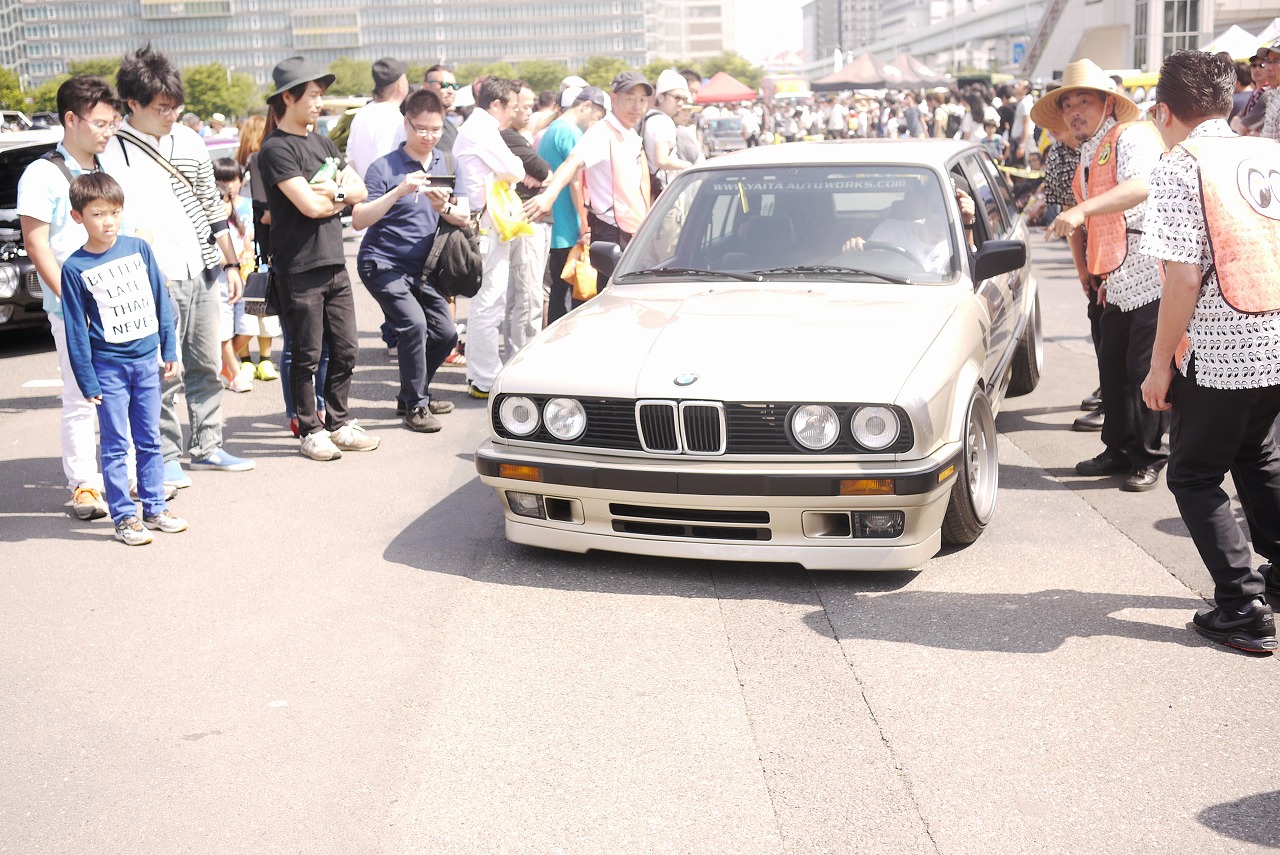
[1089, 422]
[1141, 479]
[1107, 463]
[1092, 401]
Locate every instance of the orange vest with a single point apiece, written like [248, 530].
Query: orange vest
[1107, 244]
[630, 183]
[1240, 192]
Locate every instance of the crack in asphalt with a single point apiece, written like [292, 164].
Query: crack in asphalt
[875, 720]
[746, 710]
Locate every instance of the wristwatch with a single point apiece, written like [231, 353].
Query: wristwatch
[340, 195]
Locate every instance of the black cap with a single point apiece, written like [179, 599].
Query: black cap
[628, 80]
[387, 71]
[595, 95]
[295, 70]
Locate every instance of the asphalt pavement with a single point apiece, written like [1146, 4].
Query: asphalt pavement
[348, 657]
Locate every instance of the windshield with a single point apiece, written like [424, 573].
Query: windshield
[884, 222]
[13, 162]
[726, 126]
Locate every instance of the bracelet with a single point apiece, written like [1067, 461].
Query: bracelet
[230, 265]
[967, 225]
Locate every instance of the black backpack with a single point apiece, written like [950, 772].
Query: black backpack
[954, 121]
[455, 266]
[655, 183]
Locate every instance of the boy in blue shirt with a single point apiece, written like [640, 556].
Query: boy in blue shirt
[116, 309]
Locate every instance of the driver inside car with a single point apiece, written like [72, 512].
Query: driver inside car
[918, 224]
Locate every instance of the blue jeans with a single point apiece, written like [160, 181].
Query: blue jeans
[131, 407]
[420, 319]
[286, 371]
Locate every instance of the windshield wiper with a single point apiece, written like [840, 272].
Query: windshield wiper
[829, 269]
[690, 271]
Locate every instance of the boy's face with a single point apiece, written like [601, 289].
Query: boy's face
[101, 220]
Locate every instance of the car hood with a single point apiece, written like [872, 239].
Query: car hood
[798, 341]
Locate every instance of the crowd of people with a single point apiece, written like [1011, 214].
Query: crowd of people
[141, 245]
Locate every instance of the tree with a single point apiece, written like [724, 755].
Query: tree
[45, 96]
[353, 77]
[469, 71]
[104, 67]
[212, 89]
[735, 65]
[600, 70]
[653, 69]
[542, 74]
[11, 97]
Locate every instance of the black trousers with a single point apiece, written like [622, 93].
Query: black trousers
[600, 230]
[1130, 426]
[321, 310]
[1215, 431]
[1095, 329]
[560, 298]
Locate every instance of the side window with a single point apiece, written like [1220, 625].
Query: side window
[1001, 182]
[984, 197]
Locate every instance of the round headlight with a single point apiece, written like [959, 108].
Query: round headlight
[8, 281]
[565, 418]
[815, 426]
[875, 427]
[518, 415]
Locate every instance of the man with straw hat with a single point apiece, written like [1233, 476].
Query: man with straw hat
[1117, 155]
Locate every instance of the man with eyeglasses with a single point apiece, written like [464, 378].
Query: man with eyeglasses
[440, 80]
[168, 179]
[401, 215]
[658, 129]
[87, 110]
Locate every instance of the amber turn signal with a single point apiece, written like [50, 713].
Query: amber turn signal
[866, 487]
[519, 473]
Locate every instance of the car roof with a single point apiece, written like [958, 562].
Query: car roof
[934, 153]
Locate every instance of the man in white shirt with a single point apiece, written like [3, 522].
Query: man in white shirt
[167, 176]
[483, 156]
[672, 94]
[1020, 133]
[378, 127]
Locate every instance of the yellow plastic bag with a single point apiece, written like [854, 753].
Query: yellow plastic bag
[506, 211]
[579, 273]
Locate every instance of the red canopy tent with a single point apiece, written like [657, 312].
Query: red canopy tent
[724, 87]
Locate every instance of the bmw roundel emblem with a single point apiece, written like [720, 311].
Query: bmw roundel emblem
[686, 379]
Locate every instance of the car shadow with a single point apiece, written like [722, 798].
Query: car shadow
[1252, 819]
[36, 503]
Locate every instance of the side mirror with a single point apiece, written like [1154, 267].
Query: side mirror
[998, 256]
[604, 256]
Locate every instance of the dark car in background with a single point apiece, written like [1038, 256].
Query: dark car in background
[20, 292]
[723, 135]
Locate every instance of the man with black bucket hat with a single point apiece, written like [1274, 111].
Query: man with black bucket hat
[308, 186]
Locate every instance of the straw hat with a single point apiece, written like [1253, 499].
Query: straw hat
[1083, 74]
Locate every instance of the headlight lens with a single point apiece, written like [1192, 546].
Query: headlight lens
[815, 426]
[875, 427]
[565, 418]
[8, 281]
[518, 415]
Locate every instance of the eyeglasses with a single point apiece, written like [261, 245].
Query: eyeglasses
[443, 85]
[427, 132]
[174, 110]
[101, 126]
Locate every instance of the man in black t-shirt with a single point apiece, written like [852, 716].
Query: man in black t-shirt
[308, 186]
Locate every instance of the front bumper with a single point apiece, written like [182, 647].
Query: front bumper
[770, 511]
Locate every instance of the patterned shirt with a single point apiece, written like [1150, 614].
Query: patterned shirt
[1232, 350]
[1060, 163]
[1136, 282]
[1271, 119]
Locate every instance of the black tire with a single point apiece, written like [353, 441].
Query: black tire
[973, 495]
[1028, 359]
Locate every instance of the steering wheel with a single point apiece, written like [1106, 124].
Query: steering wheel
[885, 246]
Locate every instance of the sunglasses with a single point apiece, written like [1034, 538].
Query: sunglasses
[446, 85]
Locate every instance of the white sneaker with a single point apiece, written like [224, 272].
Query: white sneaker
[319, 446]
[351, 437]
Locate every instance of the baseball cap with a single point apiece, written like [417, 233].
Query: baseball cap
[628, 80]
[671, 80]
[387, 71]
[595, 95]
[573, 81]
[1272, 46]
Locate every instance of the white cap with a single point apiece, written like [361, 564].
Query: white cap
[573, 80]
[672, 81]
[568, 96]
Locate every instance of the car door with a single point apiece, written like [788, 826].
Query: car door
[999, 293]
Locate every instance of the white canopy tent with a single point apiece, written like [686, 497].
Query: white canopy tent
[1237, 41]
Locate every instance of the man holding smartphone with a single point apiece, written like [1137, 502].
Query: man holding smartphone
[409, 190]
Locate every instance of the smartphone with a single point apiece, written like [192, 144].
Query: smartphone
[441, 181]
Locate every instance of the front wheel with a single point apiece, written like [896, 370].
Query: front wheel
[973, 495]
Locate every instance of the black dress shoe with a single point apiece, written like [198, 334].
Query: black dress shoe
[1092, 401]
[401, 409]
[1107, 463]
[1089, 422]
[1142, 479]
